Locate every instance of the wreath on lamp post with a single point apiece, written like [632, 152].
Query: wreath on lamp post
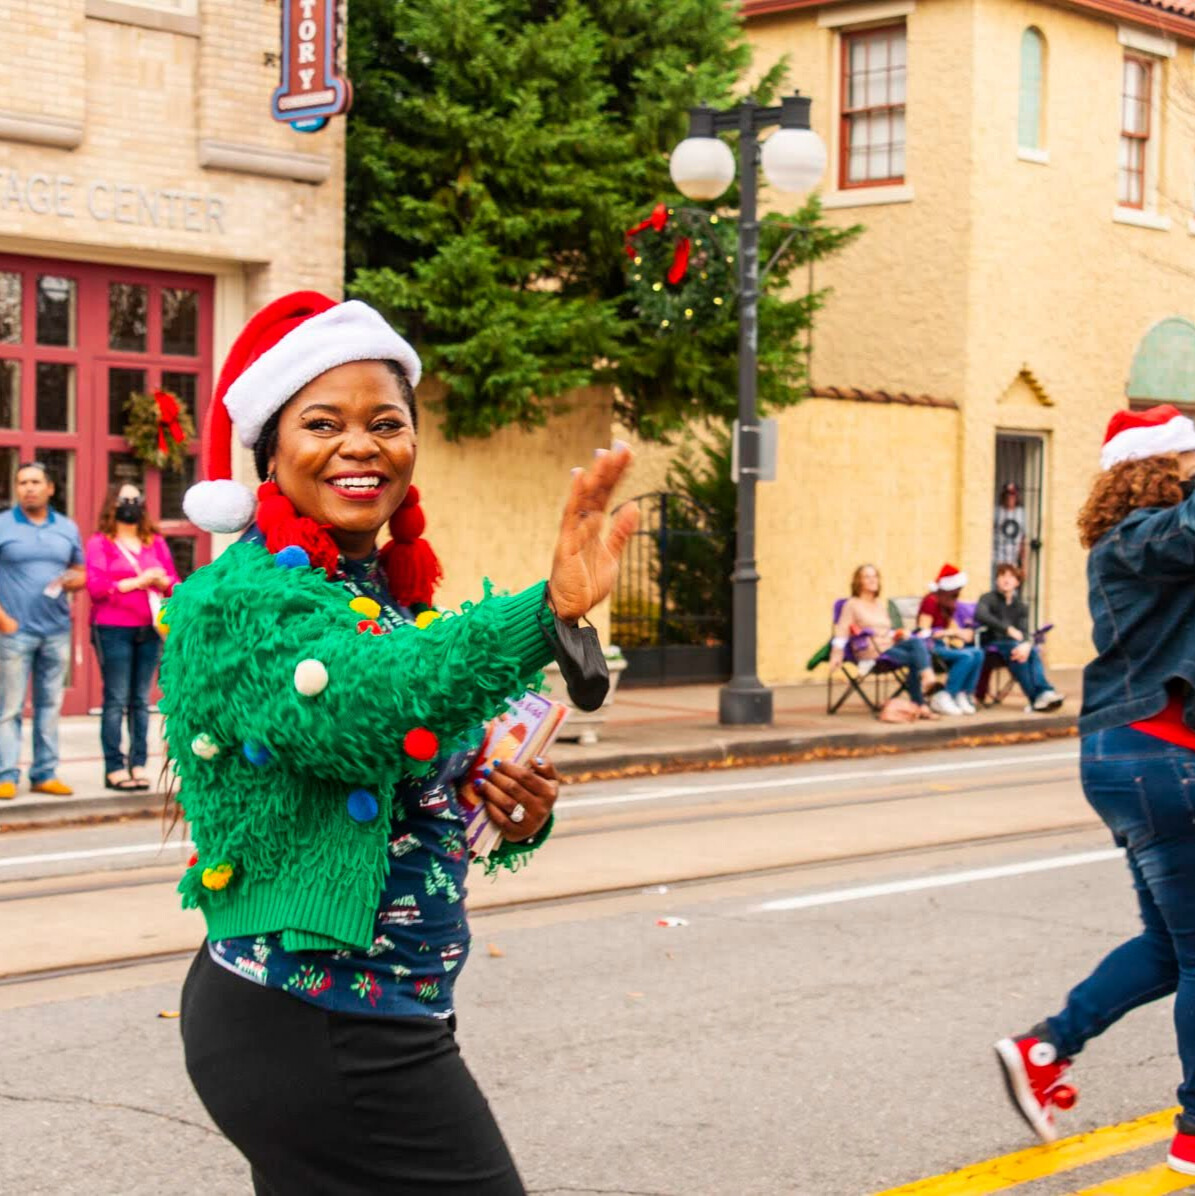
[678, 271]
[159, 429]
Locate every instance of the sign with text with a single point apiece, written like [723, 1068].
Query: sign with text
[311, 89]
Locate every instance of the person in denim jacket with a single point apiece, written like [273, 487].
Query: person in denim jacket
[1137, 757]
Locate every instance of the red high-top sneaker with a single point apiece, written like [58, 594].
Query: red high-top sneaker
[1036, 1081]
[1182, 1150]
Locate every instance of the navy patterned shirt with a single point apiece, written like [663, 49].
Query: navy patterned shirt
[421, 939]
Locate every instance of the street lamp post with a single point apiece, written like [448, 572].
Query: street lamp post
[702, 167]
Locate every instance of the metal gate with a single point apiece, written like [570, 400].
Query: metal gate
[1016, 530]
[671, 608]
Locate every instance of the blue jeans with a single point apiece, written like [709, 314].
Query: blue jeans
[1030, 674]
[46, 657]
[964, 666]
[128, 657]
[1144, 789]
[914, 655]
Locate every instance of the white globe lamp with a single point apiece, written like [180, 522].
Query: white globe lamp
[794, 159]
[702, 167]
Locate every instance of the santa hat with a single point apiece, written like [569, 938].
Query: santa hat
[1135, 435]
[948, 579]
[287, 344]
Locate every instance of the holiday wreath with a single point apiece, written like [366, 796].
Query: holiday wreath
[678, 270]
[159, 429]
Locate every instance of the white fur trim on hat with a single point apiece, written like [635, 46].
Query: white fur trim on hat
[350, 331]
[220, 506]
[1176, 435]
[955, 581]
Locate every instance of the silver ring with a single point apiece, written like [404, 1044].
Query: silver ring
[518, 814]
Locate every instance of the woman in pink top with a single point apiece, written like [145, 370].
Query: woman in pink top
[129, 572]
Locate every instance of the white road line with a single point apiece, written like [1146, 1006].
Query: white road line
[825, 778]
[642, 795]
[56, 857]
[943, 881]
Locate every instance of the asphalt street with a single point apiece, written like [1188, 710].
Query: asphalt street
[842, 944]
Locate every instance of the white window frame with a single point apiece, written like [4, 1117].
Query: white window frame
[858, 18]
[1140, 44]
[168, 16]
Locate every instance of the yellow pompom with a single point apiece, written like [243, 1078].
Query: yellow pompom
[426, 618]
[366, 607]
[217, 878]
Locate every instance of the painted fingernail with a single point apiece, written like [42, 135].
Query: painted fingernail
[619, 445]
[477, 782]
[485, 772]
[601, 452]
[576, 469]
[540, 761]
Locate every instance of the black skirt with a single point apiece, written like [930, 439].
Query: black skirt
[332, 1104]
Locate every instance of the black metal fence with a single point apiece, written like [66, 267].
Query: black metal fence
[671, 607]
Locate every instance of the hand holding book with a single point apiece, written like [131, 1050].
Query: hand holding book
[535, 787]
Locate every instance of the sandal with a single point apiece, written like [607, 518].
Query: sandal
[140, 780]
[924, 712]
[124, 784]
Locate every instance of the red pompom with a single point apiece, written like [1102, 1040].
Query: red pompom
[412, 572]
[193, 860]
[407, 524]
[421, 744]
[282, 525]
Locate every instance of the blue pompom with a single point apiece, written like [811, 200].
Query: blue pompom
[293, 557]
[256, 753]
[362, 806]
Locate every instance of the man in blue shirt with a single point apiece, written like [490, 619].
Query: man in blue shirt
[41, 560]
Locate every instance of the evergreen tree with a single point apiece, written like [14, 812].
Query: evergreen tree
[497, 152]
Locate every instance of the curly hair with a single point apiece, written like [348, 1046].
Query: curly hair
[1152, 482]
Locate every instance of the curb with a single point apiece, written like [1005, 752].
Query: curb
[716, 753]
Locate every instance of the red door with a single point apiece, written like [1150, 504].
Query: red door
[75, 341]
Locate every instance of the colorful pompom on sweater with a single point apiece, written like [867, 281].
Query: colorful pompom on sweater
[286, 718]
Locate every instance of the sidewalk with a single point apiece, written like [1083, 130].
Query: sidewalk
[646, 731]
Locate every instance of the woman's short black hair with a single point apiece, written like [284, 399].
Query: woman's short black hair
[267, 442]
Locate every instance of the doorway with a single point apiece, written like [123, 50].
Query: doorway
[76, 340]
[1017, 525]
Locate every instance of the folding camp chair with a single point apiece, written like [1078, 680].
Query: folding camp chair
[857, 669]
[994, 688]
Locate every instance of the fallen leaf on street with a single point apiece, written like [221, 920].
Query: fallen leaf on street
[495, 952]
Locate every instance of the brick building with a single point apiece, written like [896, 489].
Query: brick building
[148, 204]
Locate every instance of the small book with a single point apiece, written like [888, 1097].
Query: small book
[525, 731]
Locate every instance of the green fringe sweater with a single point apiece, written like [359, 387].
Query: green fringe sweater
[266, 771]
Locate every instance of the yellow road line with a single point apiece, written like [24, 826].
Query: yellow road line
[1006, 1171]
[1156, 1181]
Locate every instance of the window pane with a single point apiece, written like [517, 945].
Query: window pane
[877, 163]
[180, 321]
[55, 408]
[9, 459]
[61, 465]
[124, 467]
[128, 313]
[10, 308]
[121, 384]
[10, 394]
[896, 49]
[174, 486]
[56, 310]
[183, 387]
[897, 161]
[182, 548]
[896, 86]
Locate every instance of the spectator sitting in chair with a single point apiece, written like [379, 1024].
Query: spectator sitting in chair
[1004, 619]
[953, 645]
[863, 614]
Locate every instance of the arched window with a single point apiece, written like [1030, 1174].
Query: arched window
[1163, 368]
[1031, 114]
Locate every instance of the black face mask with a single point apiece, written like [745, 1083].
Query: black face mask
[1188, 487]
[130, 510]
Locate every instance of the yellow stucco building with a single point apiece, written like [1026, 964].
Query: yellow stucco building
[1025, 174]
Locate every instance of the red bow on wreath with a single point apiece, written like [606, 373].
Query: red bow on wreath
[656, 221]
[167, 419]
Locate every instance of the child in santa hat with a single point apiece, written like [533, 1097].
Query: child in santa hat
[1138, 753]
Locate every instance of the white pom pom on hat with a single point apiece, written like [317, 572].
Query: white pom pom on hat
[284, 346]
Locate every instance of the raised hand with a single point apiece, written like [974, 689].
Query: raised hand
[585, 562]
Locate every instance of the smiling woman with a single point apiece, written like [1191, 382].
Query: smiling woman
[320, 716]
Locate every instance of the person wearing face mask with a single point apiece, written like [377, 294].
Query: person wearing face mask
[129, 572]
[1137, 758]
